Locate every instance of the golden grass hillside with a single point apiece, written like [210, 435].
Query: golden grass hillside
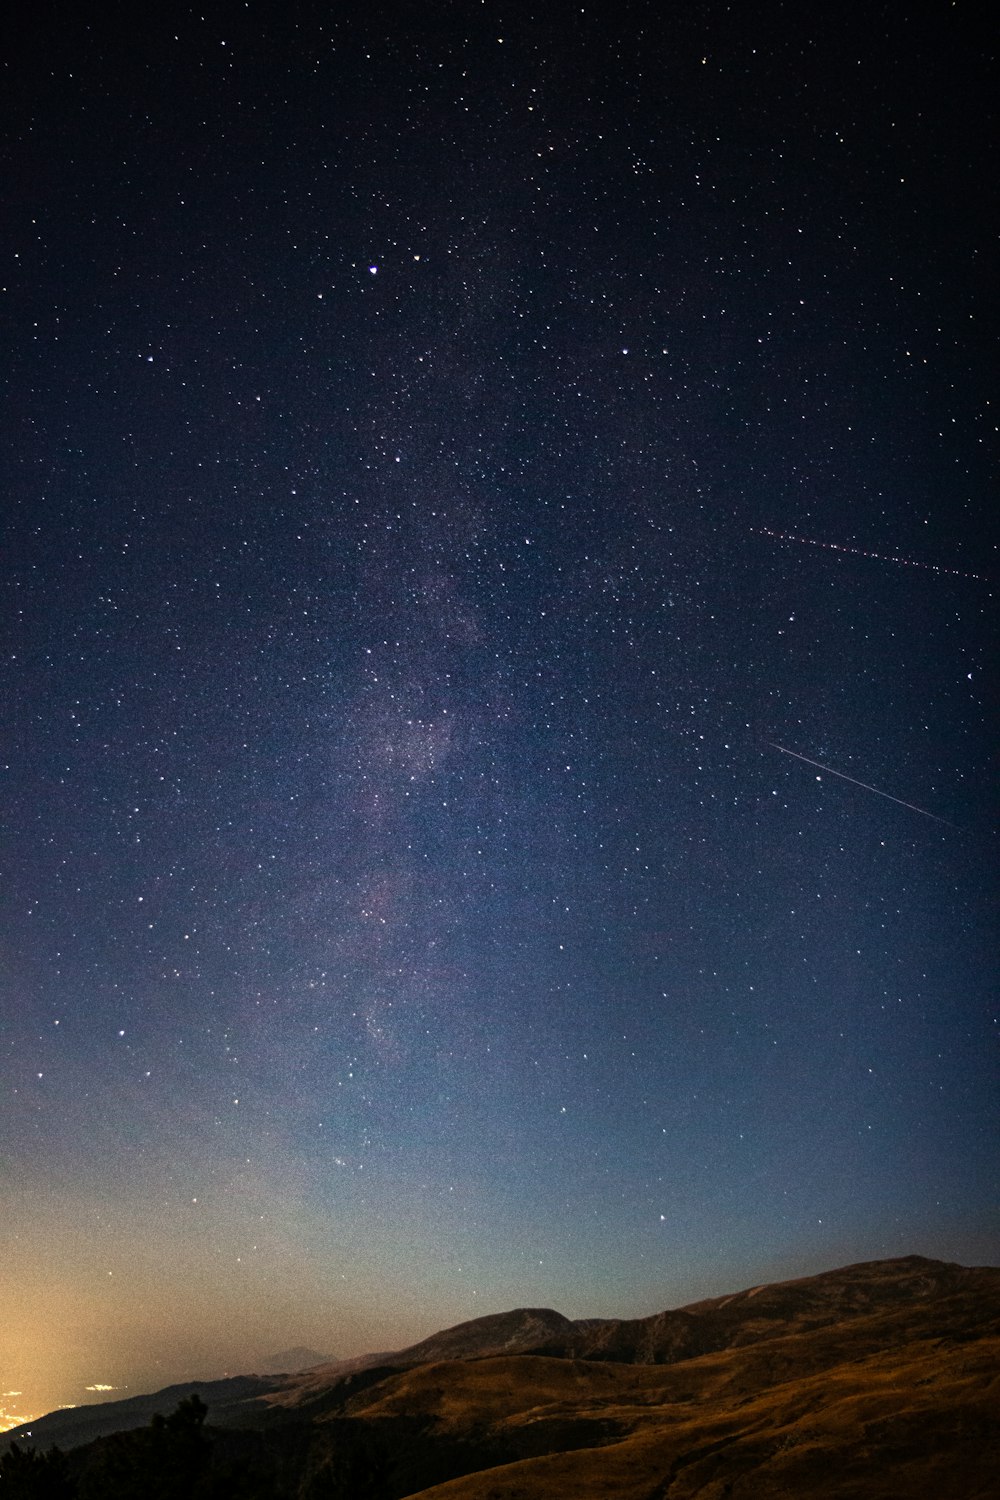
[887, 1403]
[924, 1425]
[878, 1381]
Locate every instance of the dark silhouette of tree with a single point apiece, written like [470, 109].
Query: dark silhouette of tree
[28, 1475]
[165, 1461]
[175, 1458]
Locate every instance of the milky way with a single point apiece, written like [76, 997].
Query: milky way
[404, 915]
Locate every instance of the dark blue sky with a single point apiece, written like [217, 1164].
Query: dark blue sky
[447, 455]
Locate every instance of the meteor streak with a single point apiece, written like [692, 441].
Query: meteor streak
[855, 782]
[904, 562]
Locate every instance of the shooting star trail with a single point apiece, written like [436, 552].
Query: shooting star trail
[855, 782]
[904, 562]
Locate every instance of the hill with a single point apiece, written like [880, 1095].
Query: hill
[873, 1381]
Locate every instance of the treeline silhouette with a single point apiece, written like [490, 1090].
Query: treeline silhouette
[177, 1458]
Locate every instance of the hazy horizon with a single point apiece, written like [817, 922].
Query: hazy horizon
[206, 1364]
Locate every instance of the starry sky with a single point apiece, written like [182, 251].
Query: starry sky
[498, 572]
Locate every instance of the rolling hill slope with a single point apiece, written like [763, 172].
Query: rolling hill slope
[878, 1381]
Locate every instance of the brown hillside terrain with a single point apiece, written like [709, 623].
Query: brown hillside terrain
[874, 1382]
[880, 1382]
[924, 1422]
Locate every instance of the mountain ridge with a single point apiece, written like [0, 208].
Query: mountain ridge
[734, 1321]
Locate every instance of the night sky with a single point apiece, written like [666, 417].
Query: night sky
[457, 459]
